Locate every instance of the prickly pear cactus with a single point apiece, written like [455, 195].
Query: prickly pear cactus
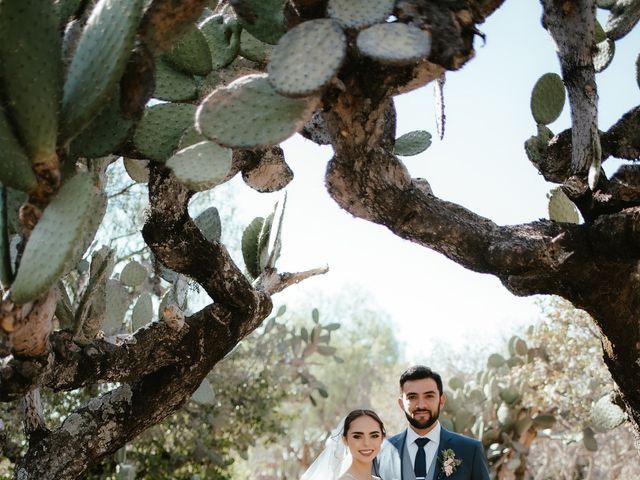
[173, 85]
[606, 415]
[209, 224]
[412, 143]
[133, 274]
[117, 304]
[603, 55]
[264, 19]
[191, 54]
[223, 38]
[15, 168]
[307, 57]
[547, 98]
[53, 242]
[249, 113]
[204, 395]
[99, 61]
[253, 49]
[201, 166]
[357, 14]
[142, 313]
[394, 43]
[250, 252]
[160, 129]
[561, 209]
[31, 59]
[107, 131]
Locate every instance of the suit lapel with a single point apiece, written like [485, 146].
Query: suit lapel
[445, 443]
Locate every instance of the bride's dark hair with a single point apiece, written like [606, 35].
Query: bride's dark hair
[362, 413]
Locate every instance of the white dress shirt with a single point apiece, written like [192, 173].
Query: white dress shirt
[430, 449]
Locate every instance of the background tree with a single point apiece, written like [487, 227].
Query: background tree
[75, 86]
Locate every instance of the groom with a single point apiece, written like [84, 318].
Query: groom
[427, 450]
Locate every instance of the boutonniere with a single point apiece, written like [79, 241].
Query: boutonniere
[449, 462]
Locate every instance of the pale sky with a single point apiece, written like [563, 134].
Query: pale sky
[480, 164]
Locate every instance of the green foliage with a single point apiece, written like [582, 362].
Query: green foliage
[358, 14]
[15, 168]
[142, 313]
[264, 19]
[229, 115]
[53, 244]
[253, 49]
[201, 166]
[223, 37]
[30, 55]
[250, 252]
[547, 98]
[307, 57]
[191, 54]
[394, 43]
[209, 224]
[561, 209]
[173, 85]
[98, 61]
[412, 143]
[160, 129]
[133, 274]
[107, 131]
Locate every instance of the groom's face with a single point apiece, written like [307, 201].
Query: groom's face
[421, 402]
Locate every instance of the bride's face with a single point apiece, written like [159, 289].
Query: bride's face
[364, 439]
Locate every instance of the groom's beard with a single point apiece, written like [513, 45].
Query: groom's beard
[415, 423]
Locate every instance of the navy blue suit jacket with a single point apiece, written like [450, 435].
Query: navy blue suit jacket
[474, 463]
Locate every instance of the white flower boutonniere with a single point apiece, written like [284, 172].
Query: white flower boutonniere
[449, 462]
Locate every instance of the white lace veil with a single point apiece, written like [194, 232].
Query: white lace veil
[335, 459]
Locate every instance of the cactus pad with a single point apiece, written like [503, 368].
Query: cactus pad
[31, 58]
[359, 13]
[307, 57]
[15, 167]
[589, 439]
[250, 246]
[138, 170]
[547, 98]
[142, 313]
[253, 49]
[160, 129]
[172, 85]
[561, 209]
[606, 415]
[98, 61]
[250, 113]
[107, 131]
[495, 360]
[264, 19]
[209, 224]
[53, 242]
[201, 166]
[412, 143]
[223, 39]
[204, 394]
[117, 304]
[603, 55]
[133, 274]
[191, 54]
[191, 136]
[394, 43]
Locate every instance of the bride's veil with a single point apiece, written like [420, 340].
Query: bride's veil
[334, 460]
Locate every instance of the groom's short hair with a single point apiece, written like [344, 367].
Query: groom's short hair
[419, 372]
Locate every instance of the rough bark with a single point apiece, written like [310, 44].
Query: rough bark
[594, 265]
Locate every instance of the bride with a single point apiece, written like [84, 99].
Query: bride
[351, 449]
